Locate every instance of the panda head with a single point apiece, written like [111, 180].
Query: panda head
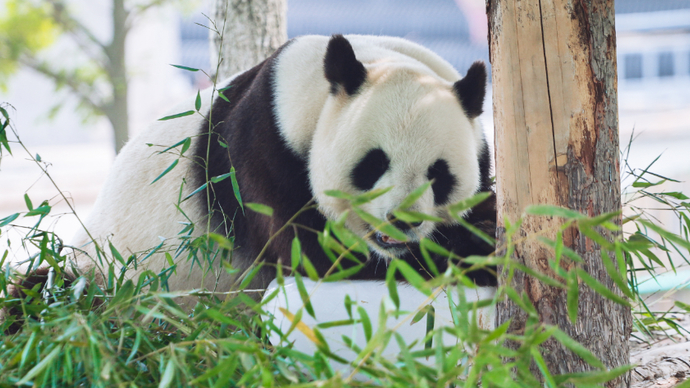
[395, 124]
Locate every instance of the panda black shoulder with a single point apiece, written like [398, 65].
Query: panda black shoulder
[244, 134]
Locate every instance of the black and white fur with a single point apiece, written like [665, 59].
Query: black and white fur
[348, 113]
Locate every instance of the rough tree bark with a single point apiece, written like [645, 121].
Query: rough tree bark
[555, 112]
[252, 30]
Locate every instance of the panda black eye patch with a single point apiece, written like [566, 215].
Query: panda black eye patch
[443, 181]
[370, 169]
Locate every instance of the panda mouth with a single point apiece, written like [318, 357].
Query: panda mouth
[385, 241]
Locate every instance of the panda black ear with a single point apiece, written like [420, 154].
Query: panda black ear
[341, 67]
[472, 88]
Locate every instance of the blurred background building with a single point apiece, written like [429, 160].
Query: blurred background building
[653, 68]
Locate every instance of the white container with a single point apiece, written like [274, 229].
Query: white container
[328, 301]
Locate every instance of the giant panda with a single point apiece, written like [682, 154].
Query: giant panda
[351, 113]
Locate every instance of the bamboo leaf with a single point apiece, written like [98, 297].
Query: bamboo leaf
[541, 364]
[348, 239]
[596, 237]
[578, 349]
[27, 201]
[420, 314]
[185, 145]
[304, 295]
[168, 375]
[498, 332]
[666, 234]
[217, 316]
[184, 68]
[135, 347]
[309, 268]
[343, 273]
[42, 210]
[414, 196]
[430, 323]
[46, 362]
[553, 211]
[250, 276]
[220, 178]
[339, 194]
[301, 326]
[413, 277]
[411, 216]
[5, 221]
[202, 187]
[675, 194]
[369, 196]
[179, 143]
[124, 293]
[600, 288]
[392, 284]
[236, 187]
[381, 225]
[543, 278]
[3, 131]
[178, 115]
[167, 170]
[426, 245]
[344, 322]
[116, 254]
[295, 254]
[476, 231]
[573, 296]
[222, 95]
[197, 102]
[615, 275]
[366, 322]
[469, 202]
[259, 208]
[642, 184]
[569, 253]
[600, 377]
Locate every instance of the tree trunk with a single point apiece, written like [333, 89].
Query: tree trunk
[251, 31]
[555, 113]
[117, 110]
[118, 115]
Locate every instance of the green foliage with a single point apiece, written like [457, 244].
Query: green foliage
[133, 332]
[26, 27]
[650, 248]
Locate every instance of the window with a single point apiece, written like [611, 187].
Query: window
[666, 64]
[633, 66]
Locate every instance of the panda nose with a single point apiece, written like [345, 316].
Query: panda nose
[402, 225]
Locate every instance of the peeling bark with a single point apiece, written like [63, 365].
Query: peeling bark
[669, 372]
[555, 113]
